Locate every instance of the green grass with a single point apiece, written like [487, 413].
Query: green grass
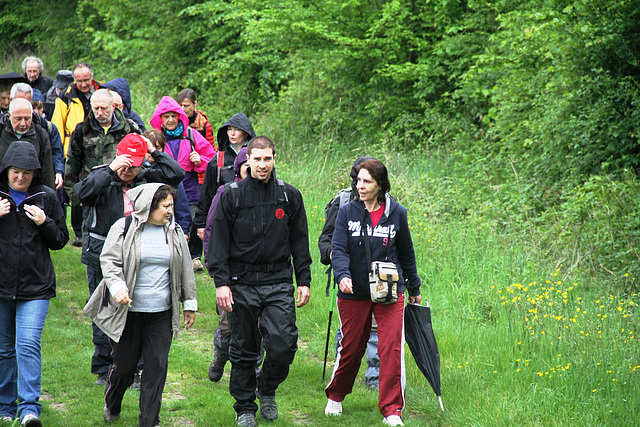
[501, 365]
[576, 363]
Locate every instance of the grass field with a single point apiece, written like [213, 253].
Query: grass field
[522, 341]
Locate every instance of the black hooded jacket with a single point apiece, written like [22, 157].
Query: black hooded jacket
[26, 270]
[37, 136]
[211, 182]
[42, 83]
[101, 194]
[257, 228]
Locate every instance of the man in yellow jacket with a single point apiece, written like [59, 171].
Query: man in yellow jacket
[73, 105]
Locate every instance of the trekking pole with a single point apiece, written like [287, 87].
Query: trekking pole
[333, 297]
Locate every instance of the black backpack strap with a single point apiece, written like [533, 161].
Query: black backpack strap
[283, 188]
[127, 223]
[236, 201]
[191, 138]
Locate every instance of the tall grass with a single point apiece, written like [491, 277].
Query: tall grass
[520, 342]
[523, 339]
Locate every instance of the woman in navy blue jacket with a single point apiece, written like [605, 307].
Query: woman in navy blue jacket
[390, 240]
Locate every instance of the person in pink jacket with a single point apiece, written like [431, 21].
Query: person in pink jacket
[192, 151]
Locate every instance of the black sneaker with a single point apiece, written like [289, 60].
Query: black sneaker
[216, 369]
[246, 419]
[268, 407]
[77, 242]
[102, 379]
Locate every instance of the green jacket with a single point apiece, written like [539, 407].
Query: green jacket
[91, 147]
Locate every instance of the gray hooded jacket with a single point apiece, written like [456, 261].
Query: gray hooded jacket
[120, 262]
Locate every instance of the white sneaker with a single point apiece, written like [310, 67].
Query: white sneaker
[393, 420]
[30, 420]
[197, 264]
[333, 408]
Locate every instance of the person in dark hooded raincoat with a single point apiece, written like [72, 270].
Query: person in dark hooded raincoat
[231, 137]
[31, 223]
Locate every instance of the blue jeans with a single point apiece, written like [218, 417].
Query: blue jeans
[21, 324]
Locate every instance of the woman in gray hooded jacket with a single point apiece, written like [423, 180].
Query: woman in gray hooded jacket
[147, 273]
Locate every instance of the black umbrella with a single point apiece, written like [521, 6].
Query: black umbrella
[418, 332]
[9, 79]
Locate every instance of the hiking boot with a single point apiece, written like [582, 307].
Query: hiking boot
[246, 419]
[31, 420]
[197, 264]
[77, 242]
[393, 420]
[333, 408]
[268, 407]
[216, 369]
[108, 416]
[102, 379]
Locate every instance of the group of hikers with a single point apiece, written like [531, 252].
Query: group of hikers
[142, 202]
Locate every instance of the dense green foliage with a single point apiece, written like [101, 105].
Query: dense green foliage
[510, 128]
[532, 104]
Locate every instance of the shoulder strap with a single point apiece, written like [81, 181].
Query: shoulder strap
[345, 196]
[220, 166]
[191, 139]
[283, 187]
[236, 201]
[127, 223]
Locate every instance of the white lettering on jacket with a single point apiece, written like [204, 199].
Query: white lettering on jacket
[379, 231]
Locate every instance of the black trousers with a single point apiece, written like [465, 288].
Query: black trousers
[76, 219]
[148, 335]
[273, 306]
[195, 243]
[101, 359]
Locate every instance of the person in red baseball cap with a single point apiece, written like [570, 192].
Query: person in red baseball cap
[135, 146]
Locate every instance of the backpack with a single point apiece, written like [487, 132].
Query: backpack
[344, 197]
[220, 167]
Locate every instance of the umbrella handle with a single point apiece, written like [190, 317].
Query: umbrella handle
[415, 303]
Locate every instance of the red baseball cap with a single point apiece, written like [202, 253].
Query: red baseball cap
[135, 147]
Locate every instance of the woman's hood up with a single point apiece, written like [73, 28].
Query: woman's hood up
[21, 154]
[165, 105]
[239, 121]
[141, 197]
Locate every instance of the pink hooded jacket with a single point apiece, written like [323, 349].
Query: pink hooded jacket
[202, 146]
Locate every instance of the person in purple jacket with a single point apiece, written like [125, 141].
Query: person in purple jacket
[380, 216]
[221, 337]
[192, 151]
